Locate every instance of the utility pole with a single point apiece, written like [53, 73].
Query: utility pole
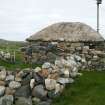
[98, 3]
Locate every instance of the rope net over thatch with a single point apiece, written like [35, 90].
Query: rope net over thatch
[67, 31]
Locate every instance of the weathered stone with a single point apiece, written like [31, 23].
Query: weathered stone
[65, 80]
[18, 76]
[51, 94]
[77, 58]
[76, 44]
[2, 83]
[78, 48]
[44, 103]
[6, 100]
[10, 78]
[9, 91]
[18, 79]
[26, 79]
[23, 101]
[32, 83]
[65, 72]
[14, 85]
[54, 76]
[79, 74]
[85, 49]
[44, 73]
[51, 57]
[35, 100]
[97, 52]
[58, 63]
[3, 75]
[70, 63]
[2, 90]
[50, 84]
[95, 57]
[59, 88]
[38, 78]
[39, 92]
[25, 74]
[46, 65]
[23, 91]
[83, 60]
[37, 69]
[26, 69]
[10, 73]
[73, 74]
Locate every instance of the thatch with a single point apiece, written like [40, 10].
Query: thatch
[67, 31]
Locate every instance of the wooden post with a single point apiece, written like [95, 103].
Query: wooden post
[14, 58]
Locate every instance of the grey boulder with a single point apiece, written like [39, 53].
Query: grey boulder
[45, 103]
[23, 91]
[10, 78]
[2, 90]
[39, 92]
[7, 100]
[14, 85]
[23, 101]
[65, 80]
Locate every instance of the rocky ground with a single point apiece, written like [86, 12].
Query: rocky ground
[42, 85]
[37, 86]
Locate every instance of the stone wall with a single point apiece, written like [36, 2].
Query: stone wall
[38, 86]
[93, 54]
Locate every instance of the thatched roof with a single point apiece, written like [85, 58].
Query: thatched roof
[67, 31]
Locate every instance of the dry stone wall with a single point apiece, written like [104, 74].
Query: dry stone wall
[38, 86]
[92, 54]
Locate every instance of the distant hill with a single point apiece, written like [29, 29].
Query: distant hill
[4, 44]
[2, 41]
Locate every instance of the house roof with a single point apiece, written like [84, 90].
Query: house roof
[67, 31]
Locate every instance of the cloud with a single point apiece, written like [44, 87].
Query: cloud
[21, 18]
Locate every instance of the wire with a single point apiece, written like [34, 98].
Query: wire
[103, 9]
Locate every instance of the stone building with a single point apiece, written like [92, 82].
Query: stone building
[69, 32]
[65, 38]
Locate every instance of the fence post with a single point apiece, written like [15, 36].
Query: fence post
[14, 56]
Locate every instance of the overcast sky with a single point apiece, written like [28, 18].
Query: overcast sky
[21, 18]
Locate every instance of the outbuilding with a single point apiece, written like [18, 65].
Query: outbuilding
[65, 38]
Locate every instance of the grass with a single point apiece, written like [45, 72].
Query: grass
[19, 63]
[88, 89]
[19, 57]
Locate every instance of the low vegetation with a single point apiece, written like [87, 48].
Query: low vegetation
[11, 47]
[87, 90]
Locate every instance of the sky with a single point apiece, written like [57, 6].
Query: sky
[19, 19]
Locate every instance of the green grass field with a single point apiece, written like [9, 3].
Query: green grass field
[13, 46]
[88, 89]
[19, 63]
